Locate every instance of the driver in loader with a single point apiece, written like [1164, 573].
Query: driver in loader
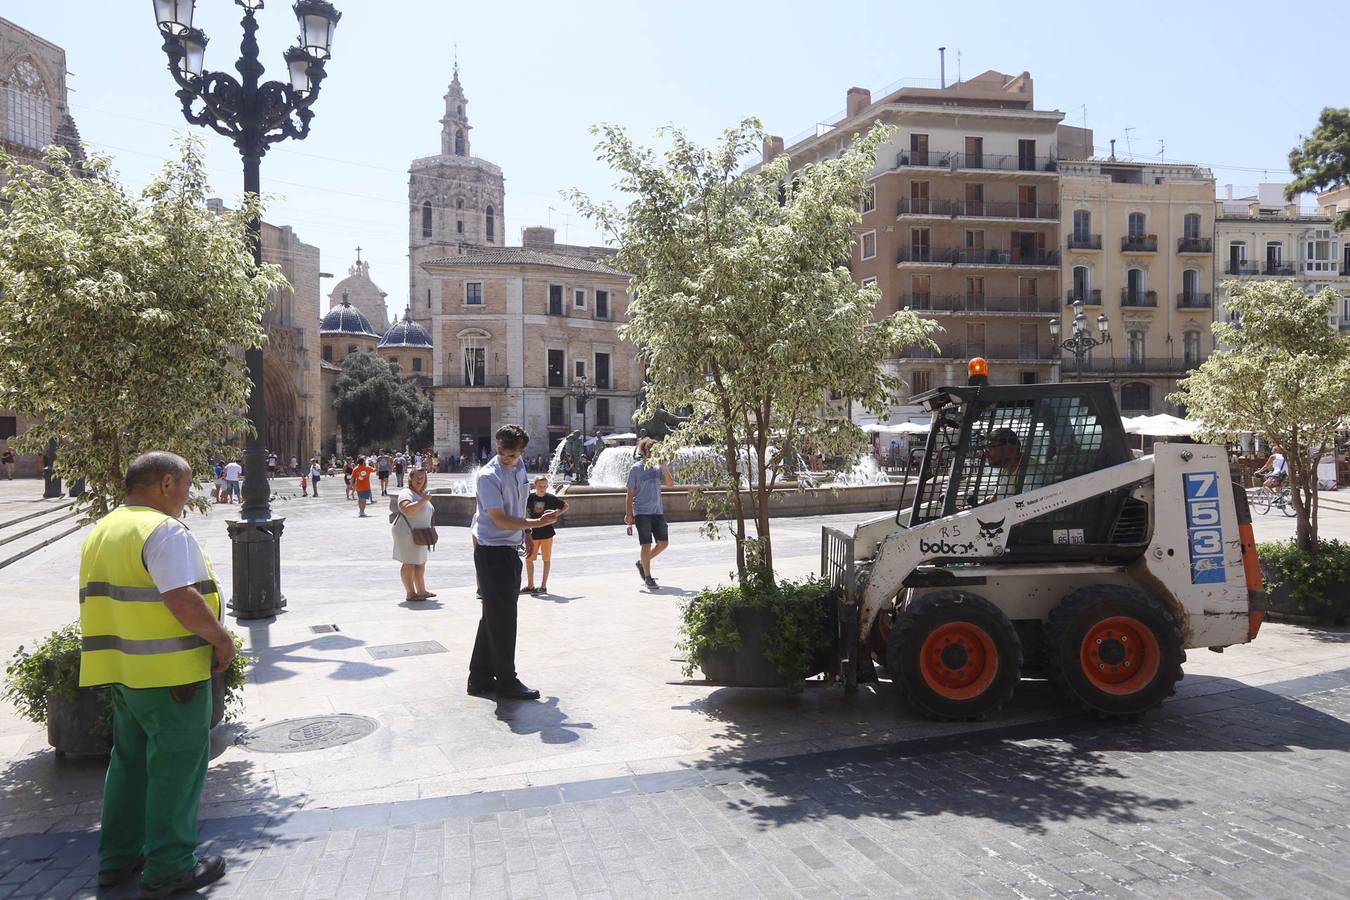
[1003, 463]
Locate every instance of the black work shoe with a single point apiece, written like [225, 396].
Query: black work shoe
[514, 690]
[641, 571]
[650, 582]
[481, 687]
[209, 869]
[111, 877]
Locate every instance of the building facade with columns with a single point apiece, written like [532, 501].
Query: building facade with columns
[33, 114]
[514, 328]
[1138, 248]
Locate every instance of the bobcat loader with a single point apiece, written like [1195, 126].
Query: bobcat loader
[1036, 543]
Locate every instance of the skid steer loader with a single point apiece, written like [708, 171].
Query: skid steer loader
[1037, 543]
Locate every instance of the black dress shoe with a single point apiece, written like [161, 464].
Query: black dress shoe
[514, 690]
[209, 869]
[480, 687]
[112, 877]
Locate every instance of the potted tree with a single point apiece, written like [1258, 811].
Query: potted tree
[1308, 587]
[43, 685]
[747, 319]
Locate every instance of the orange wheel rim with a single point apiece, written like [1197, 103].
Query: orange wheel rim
[1119, 655]
[958, 660]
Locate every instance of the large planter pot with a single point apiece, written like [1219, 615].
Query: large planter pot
[73, 726]
[1281, 605]
[748, 666]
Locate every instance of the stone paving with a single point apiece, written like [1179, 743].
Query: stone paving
[622, 783]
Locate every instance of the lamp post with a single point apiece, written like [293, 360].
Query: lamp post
[254, 116]
[1081, 342]
[583, 391]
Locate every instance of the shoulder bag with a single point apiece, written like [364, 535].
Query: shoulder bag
[422, 537]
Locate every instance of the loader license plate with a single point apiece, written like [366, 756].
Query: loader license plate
[1204, 527]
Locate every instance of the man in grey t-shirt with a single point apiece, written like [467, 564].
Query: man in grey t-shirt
[644, 509]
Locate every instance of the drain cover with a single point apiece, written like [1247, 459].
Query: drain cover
[323, 629]
[412, 648]
[310, 733]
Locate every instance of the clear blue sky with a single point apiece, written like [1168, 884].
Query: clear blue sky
[1231, 88]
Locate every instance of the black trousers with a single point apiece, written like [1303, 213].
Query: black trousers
[494, 650]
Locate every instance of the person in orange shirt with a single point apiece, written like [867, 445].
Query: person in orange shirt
[361, 482]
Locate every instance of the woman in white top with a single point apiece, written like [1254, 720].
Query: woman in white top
[414, 505]
[315, 473]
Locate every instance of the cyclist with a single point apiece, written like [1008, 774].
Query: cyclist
[1275, 470]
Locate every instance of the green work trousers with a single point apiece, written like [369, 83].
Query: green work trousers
[155, 779]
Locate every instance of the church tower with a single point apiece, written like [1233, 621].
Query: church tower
[456, 202]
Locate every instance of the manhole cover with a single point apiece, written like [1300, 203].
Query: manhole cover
[310, 733]
[412, 648]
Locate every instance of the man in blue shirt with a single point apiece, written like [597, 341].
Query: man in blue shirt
[643, 508]
[499, 528]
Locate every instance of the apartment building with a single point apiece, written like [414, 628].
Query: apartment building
[1262, 237]
[963, 222]
[514, 328]
[1138, 248]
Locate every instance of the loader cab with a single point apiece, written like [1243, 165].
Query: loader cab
[989, 442]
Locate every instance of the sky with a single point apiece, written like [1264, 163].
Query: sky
[1233, 91]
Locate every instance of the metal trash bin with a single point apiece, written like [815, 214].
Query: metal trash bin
[257, 569]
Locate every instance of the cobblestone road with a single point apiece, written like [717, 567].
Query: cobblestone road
[1239, 792]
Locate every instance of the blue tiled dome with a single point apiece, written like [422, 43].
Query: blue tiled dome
[346, 319]
[406, 333]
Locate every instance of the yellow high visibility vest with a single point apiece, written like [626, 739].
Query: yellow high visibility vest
[129, 635]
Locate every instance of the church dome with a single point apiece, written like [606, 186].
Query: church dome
[346, 319]
[363, 294]
[406, 333]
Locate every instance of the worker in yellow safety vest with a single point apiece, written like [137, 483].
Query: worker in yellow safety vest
[150, 623]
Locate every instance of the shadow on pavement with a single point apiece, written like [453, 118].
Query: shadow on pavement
[1025, 775]
[421, 604]
[271, 663]
[542, 717]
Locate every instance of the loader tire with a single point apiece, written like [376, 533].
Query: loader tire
[954, 655]
[1114, 650]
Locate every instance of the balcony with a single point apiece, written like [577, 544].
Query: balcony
[1195, 301]
[1139, 243]
[1005, 209]
[986, 162]
[918, 256]
[1089, 298]
[479, 381]
[971, 257]
[923, 207]
[1138, 299]
[1241, 267]
[1085, 242]
[1278, 268]
[1138, 365]
[1195, 245]
[1012, 162]
[983, 305]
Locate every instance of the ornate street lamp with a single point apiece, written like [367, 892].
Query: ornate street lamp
[254, 116]
[583, 391]
[1081, 343]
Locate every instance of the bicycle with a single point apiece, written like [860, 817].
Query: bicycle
[1263, 498]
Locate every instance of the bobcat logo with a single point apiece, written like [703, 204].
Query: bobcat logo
[989, 531]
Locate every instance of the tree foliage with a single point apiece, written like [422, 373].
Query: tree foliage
[746, 313]
[122, 318]
[1282, 373]
[375, 406]
[1322, 161]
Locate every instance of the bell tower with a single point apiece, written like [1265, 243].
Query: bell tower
[455, 124]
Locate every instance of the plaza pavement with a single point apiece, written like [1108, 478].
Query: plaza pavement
[622, 781]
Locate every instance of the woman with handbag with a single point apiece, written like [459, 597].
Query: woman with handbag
[414, 535]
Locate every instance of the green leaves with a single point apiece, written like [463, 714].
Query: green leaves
[1323, 160]
[746, 314]
[375, 407]
[123, 319]
[1282, 373]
